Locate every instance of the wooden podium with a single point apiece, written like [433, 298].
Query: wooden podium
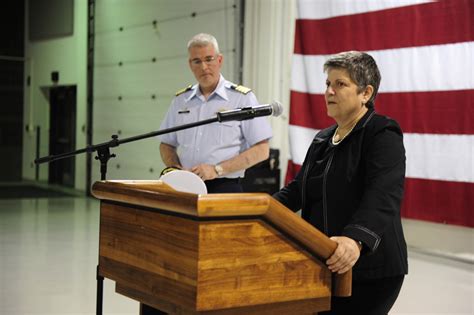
[184, 253]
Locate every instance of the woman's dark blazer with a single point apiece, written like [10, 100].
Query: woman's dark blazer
[358, 194]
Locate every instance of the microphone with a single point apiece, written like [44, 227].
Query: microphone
[245, 113]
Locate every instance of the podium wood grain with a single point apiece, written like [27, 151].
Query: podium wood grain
[211, 254]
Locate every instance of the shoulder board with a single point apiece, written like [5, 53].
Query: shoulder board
[184, 90]
[240, 88]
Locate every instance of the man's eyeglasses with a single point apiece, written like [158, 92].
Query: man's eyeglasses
[209, 60]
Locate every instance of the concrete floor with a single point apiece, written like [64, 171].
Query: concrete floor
[48, 259]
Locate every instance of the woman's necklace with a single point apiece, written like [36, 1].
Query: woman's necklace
[336, 139]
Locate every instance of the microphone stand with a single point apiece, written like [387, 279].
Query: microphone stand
[104, 155]
[103, 149]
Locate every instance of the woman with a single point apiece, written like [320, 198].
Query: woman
[350, 187]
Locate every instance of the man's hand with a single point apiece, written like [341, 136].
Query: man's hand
[345, 256]
[205, 171]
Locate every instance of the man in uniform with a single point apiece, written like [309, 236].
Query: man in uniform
[219, 153]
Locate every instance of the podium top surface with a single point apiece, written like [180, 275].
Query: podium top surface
[157, 194]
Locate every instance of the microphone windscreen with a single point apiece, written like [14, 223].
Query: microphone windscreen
[277, 108]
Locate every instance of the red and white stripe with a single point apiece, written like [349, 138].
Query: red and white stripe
[425, 52]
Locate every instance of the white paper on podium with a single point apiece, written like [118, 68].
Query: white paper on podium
[185, 181]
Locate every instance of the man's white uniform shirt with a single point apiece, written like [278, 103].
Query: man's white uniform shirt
[216, 142]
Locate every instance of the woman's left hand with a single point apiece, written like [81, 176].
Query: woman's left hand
[345, 256]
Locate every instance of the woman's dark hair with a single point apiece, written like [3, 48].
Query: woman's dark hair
[361, 68]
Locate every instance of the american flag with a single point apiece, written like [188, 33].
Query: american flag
[425, 53]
